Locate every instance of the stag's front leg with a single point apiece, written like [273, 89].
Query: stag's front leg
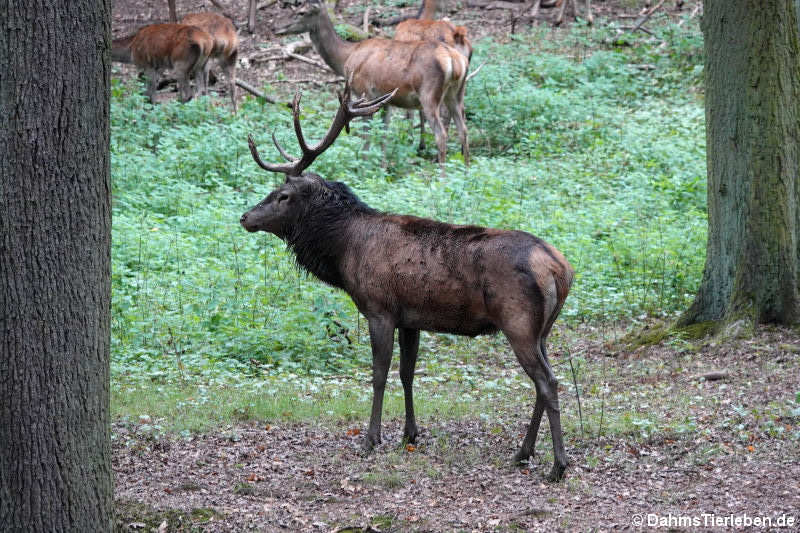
[381, 336]
[409, 346]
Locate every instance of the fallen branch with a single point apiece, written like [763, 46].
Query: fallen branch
[501, 4]
[713, 375]
[252, 90]
[307, 60]
[646, 16]
[577, 393]
[310, 80]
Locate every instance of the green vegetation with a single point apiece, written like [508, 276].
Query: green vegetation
[592, 145]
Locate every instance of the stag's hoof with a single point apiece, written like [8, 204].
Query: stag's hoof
[370, 442]
[557, 473]
[521, 458]
[410, 434]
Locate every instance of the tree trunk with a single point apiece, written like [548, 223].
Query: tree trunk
[753, 147]
[173, 13]
[55, 226]
[251, 16]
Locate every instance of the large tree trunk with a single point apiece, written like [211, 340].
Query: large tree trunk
[55, 225]
[753, 145]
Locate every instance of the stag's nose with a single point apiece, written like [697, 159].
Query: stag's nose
[243, 220]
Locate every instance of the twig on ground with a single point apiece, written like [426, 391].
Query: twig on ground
[577, 393]
[645, 17]
[252, 90]
[304, 59]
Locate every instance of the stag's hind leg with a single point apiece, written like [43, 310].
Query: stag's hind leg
[530, 353]
[409, 346]
[455, 105]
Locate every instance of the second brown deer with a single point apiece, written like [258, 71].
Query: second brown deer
[157, 47]
[425, 28]
[426, 74]
[226, 46]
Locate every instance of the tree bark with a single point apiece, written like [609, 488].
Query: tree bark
[753, 153]
[55, 225]
[173, 13]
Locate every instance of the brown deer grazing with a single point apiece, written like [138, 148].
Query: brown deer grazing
[426, 74]
[226, 46]
[160, 46]
[424, 28]
[411, 274]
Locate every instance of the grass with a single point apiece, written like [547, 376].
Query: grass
[572, 141]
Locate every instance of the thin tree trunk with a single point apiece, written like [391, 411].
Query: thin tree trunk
[173, 13]
[251, 16]
[753, 146]
[55, 224]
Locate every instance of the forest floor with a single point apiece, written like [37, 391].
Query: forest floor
[670, 450]
[695, 454]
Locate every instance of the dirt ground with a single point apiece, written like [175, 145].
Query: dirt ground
[305, 477]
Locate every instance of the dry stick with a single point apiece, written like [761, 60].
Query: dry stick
[307, 60]
[642, 20]
[310, 80]
[577, 393]
[263, 5]
[252, 90]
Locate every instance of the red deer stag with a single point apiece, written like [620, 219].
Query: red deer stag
[426, 74]
[160, 46]
[226, 46]
[411, 274]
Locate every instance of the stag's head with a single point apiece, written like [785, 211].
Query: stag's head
[304, 18]
[287, 204]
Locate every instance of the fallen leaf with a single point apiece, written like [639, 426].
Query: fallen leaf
[353, 432]
[410, 447]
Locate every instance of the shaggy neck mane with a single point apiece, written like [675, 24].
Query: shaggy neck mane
[319, 236]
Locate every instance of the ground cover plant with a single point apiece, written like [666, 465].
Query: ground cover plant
[240, 386]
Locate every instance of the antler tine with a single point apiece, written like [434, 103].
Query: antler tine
[281, 150]
[347, 111]
[297, 129]
[282, 168]
[361, 108]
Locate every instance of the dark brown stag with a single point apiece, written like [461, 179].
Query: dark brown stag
[411, 274]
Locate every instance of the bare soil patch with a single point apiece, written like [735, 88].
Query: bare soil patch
[307, 477]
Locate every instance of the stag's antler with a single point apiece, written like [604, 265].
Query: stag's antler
[347, 111]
